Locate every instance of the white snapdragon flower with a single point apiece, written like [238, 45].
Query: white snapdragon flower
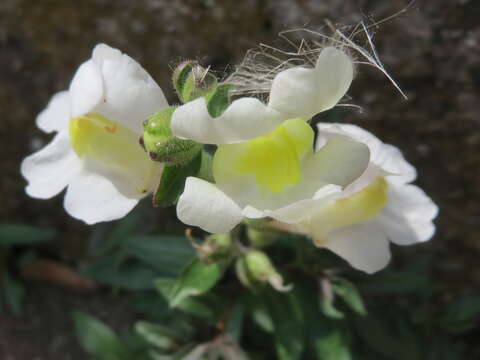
[95, 153]
[265, 165]
[380, 206]
[273, 175]
[298, 92]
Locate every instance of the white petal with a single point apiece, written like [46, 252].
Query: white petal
[339, 162]
[386, 156]
[300, 210]
[57, 113]
[391, 159]
[203, 204]
[49, 170]
[407, 218]
[130, 94]
[253, 213]
[92, 197]
[244, 119]
[302, 92]
[364, 246]
[370, 174]
[86, 89]
[102, 52]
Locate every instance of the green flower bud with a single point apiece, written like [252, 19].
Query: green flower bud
[243, 274]
[216, 248]
[159, 142]
[256, 267]
[191, 81]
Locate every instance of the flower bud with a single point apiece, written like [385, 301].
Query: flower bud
[243, 274]
[256, 267]
[159, 142]
[191, 81]
[216, 248]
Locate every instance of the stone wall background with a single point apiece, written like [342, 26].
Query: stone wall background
[432, 50]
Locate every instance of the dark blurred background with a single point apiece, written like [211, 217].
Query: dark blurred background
[432, 50]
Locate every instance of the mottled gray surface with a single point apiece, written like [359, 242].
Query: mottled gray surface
[433, 51]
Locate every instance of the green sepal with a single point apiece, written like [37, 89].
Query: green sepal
[219, 99]
[172, 181]
[216, 248]
[191, 81]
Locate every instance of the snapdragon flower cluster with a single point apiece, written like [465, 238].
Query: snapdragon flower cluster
[344, 188]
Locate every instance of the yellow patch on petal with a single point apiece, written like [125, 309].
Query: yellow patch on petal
[274, 159]
[361, 206]
[105, 140]
[112, 144]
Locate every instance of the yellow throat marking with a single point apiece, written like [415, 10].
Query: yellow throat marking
[96, 136]
[359, 207]
[273, 159]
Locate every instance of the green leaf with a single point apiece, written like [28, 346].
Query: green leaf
[157, 335]
[166, 253]
[14, 293]
[235, 321]
[443, 348]
[328, 309]
[287, 317]
[129, 226]
[98, 339]
[131, 275]
[150, 304]
[461, 315]
[326, 337]
[389, 334]
[411, 280]
[18, 234]
[350, 295]
[219, 99]
[105, 239]
[172, 182]
[326, 301]
[205, 171]
[263, 320]
[195, 279]
[190, 305]
[329, 341]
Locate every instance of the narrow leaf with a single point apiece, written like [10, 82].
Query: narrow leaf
[131, 275]
[461, 315]
[287, 318]
[190, 305]
[195, 279]
[166, 253]
[156, 335]
[350, 295]
[14, 293]
[172, 181]
[18, 234]
[97, 338]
